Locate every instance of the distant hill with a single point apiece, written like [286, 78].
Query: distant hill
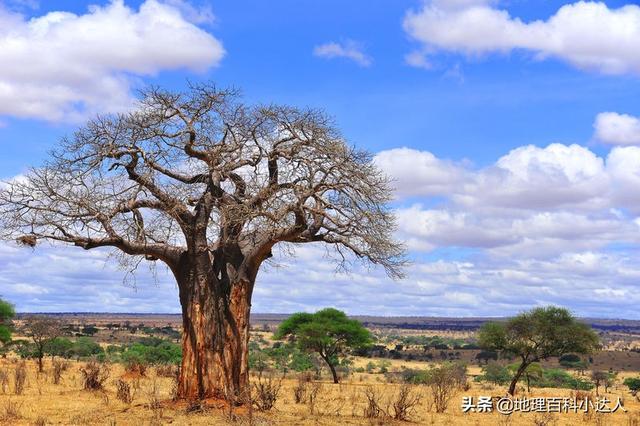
[409, 322]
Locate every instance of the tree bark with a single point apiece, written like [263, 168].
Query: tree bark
[215, 337]
[516, 377]
[334, 373]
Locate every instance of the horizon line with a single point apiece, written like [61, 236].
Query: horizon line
[291, 313]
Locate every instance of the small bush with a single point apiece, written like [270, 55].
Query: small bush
[19, 378]
[40, 421]
[557, 378]
[154, 404]
[544, 419]
[633, 383]
[153, 351]
[167, 370]
[94, 375]
[413, 376]
[10, 412]
[443, 382]
[84, 347]
[373, 409]
[123, 391]
[580, 396]
[312, 396]
[405, 403]
[398, 406]
[136, 368]
[300, 391]
[4, 380]
[267, 390]
[59, 367]
[495, 373]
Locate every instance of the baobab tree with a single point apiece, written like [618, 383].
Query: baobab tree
[209, 186]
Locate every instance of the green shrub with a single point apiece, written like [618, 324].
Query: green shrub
[152, 351]
[300, 361]
[558, 378]
[59, 346]
[633, 383]
[495, 373]
[414, 376]
[84, 347]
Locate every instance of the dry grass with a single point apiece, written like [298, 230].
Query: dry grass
[10, 411]
[19, 377]
[324, 404]
[59, 366]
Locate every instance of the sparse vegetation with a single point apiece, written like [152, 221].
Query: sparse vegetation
[266, 390]
[381, 391]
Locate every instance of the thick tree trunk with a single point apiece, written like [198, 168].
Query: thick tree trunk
[215, 338]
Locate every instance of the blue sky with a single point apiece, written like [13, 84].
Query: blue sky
[511, 128]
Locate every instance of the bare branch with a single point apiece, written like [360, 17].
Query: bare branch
[201, 172]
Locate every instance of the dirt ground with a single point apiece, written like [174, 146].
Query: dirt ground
[44, 403]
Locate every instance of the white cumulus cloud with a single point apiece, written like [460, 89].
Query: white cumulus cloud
[532, 202]
[350, 50]
[63, 66]
[420, 172]
[586, 34]
[617, 129]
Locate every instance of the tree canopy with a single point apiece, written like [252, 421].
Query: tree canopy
[536, 335]
[7, 312]
[328, 332]
[202, 162]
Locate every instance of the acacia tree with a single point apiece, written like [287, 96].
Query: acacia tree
[209, 186]
[42, 331]
[328, 332]
[537, 335]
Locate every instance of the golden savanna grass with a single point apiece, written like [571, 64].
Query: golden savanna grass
[44, 403]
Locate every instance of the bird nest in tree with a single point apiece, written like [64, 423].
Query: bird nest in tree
[27, 240]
